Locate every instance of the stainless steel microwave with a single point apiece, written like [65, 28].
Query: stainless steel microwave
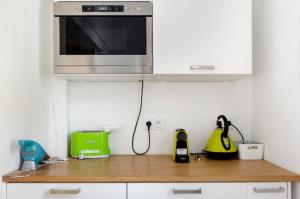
[103, 37]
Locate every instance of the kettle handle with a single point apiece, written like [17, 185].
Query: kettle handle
[226, 125]
[224, 134]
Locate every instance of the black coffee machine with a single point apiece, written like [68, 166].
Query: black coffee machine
[181, 151]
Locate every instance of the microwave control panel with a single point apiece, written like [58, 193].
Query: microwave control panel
[102, 8]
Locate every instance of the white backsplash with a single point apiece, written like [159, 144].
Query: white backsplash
[190, 105]
[24, 78]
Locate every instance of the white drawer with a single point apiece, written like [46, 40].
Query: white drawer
[187, 190]
[268, 190]
[66, 190]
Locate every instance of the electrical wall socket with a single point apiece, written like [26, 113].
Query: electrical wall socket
[157, 123]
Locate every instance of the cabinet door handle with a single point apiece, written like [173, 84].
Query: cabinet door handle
[269, 190]
[64, 191]
[187, 191]
[203, 67]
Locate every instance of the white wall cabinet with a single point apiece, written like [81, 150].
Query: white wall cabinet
[202, 36]
[66, 190]
[148, 190]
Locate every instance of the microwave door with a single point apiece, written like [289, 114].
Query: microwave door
[99, 43]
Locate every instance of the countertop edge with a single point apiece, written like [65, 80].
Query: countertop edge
[211, 179]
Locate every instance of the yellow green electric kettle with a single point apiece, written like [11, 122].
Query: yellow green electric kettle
[220, 145]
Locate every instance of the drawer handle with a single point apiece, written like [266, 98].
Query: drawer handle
[269, 190]
[189, 191]
[64, 191]
[202, 67]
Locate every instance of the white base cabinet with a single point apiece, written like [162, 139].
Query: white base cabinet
[208, 191]
[268, 191]
[188, 191]
[65, 190]
[148, 190]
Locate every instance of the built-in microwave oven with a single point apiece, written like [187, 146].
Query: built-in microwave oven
[103, 37]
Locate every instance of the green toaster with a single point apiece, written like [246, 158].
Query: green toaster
[90, 144]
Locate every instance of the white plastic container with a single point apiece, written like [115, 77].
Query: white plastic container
[251, 151]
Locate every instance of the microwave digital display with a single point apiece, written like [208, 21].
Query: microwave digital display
[102, 8]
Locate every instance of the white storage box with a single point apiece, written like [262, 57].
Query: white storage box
[251, 151]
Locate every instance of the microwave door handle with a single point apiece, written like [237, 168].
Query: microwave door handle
[95, 37]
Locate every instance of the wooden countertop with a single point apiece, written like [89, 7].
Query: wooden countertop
[157, 168]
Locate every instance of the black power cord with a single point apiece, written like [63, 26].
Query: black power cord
[230, 124]
[136, 124]
[239, 133]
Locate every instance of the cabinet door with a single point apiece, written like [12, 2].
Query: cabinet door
[202, 36]
[187, 191]
[268, 190]
[76, 191]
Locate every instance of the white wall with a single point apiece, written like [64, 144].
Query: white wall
[276, 115]
[193, 106]
[24, 77]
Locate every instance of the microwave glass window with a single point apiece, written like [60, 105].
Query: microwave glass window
[103, 35]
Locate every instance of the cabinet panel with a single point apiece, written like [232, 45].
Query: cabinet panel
[202, 36]
[187, 190]
[69, 190]
[268, 190]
